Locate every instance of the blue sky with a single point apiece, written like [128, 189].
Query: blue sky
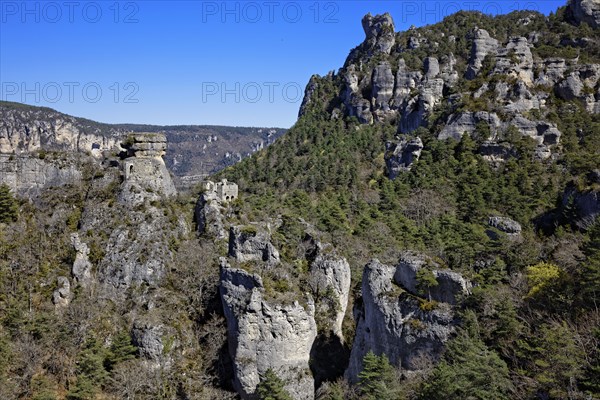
[240, 63]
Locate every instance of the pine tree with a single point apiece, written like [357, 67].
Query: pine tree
[8, 205]
[469, 370]
[271, 387]
[425, 281]
[377, 380]
[590, 276]
[120, 350]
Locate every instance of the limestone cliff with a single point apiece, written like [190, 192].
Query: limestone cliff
[404, 79]
[264, 335]
[391, 319]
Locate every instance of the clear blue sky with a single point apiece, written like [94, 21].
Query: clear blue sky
[239, 63]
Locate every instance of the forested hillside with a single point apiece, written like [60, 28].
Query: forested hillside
[426, 230]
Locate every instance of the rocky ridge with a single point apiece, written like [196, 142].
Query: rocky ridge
[193, 152]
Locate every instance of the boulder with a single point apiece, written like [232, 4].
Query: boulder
[506, 225]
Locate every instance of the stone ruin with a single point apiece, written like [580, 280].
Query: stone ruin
[224, 190]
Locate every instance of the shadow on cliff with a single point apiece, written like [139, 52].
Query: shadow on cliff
[329, 358]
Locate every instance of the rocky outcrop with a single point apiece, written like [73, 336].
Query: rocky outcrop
[581, 84]
[506, 225]
[390, 321]
[380, 33]
[309, 91]
[61, 297]
[483, 44]
[466, 122]
[251, 243]
[495, 153]
[383, 90]
[146, 176]
[451, 285]
[584, 207]
[552, 70]
[209, 216]
[137, 251]
[519, 98]
[431, 67]
[516, 60]
[570, 88]
[29, 174]
[266, 336]
[355, 104]
[82, 267]
[406, 82]
[587, 11]
[154, 341]
[544, 133]
[401, 155]
[330, 277]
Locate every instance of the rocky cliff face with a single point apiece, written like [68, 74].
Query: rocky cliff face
[209, 216]
[28, 174]
[383, 81]
[252, 243]
[587, 11]
[391, 319]
[330, 283]
[194, 151]
[27, 129]
[146, 176]
[263, 335]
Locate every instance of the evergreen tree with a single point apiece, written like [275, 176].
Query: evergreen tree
[120, 350]
[8, 205]
[377, 380]
[425, 281]
[271, 387]
[590, 279]
[91, 373]
[469, 370]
